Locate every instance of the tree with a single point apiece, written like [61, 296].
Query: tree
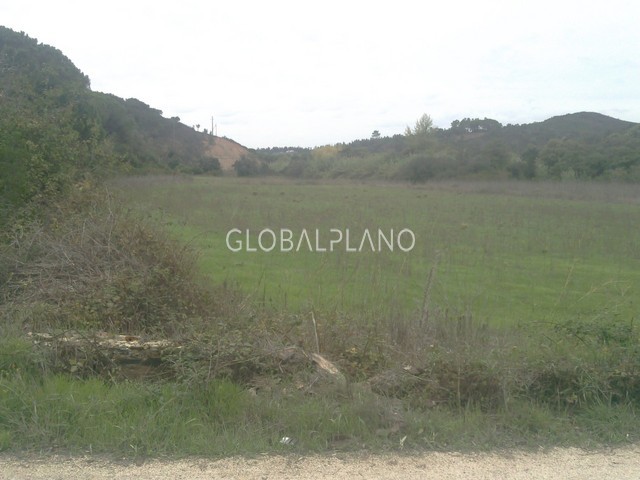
[530, 156]
[419, 169]
[497, 154]
[249, 167]
[560, 156]
[423, 127]
[375, 134]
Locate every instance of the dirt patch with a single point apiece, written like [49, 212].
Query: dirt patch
[563, 463]
[226, 151]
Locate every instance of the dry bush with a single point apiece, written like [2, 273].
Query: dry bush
[93, 264]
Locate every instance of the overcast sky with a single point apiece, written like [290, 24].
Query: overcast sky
[280, 72]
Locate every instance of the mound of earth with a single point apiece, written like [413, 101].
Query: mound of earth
[226, 151]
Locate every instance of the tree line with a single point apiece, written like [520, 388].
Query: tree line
[583, 146]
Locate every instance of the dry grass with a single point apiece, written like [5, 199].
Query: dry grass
[436, 376]
[99, 266]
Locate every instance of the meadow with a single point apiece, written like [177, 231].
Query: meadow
[511, 323]
[507, 254]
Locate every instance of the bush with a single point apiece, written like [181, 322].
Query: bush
[248, 167]
[94, 264]
[419, 169]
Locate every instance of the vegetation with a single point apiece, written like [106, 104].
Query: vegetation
[512, 322]
[450, 372]
[583, 146]
[514, 253]
[55, 133]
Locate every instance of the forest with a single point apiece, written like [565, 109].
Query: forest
[579, 146]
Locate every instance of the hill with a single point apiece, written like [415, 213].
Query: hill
[55, 131]
[582, 126]
[147, 140]
[580, 145]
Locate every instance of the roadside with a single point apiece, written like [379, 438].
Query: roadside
[570, 463]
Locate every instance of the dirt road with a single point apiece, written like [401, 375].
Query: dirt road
[556, 464]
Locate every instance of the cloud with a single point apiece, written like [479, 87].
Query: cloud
[285, 72]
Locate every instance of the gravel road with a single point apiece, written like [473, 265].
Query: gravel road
[563, 464]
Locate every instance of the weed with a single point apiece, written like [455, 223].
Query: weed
[101, 267]
[523, 334]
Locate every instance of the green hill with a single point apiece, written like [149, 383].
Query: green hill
[579, 146]
[583, 126]
[55, 131]
[582, 145]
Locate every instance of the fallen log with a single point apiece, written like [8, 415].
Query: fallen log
[127, 356]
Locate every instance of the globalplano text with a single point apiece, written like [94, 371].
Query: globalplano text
[315, 240]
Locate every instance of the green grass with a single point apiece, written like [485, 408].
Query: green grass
[508, 258]
[57, 413]
[531, 341]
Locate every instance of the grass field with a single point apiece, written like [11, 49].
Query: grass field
[530, 340]
[507, 254]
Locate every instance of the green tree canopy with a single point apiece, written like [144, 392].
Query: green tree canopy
[423, 126]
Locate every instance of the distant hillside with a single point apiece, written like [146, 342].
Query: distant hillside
[583, 126]
[55, 131]
[147, 140]
[574, 146]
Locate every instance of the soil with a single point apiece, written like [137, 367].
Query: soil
[563, 463]
[227, 152]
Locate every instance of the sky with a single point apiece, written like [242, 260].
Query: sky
[294, 73]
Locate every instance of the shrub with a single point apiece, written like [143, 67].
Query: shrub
[95, 264]
[249, 167]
